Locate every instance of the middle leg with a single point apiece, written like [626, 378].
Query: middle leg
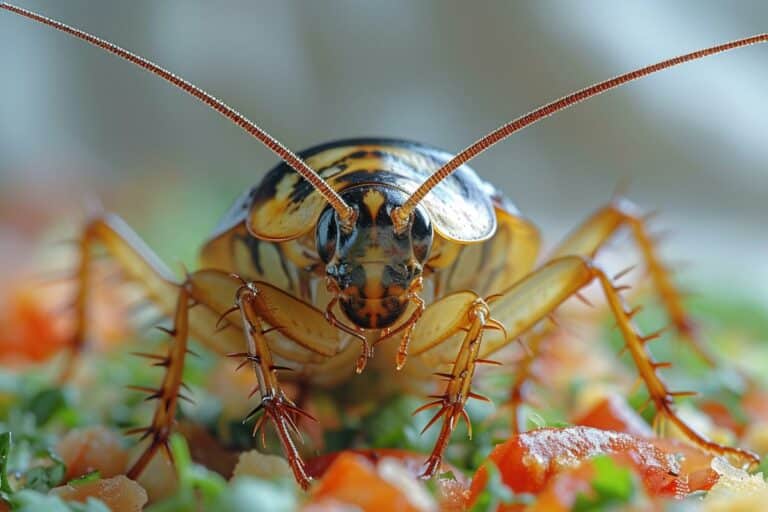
[519, 308]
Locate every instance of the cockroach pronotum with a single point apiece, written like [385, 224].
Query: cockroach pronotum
[367, 244]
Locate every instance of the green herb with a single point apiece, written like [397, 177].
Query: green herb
[88, 477]
[5, 452]
[28, 500]
[45, 404]
[198, 486]
[45, 477]
[612, 485]
[202, 489]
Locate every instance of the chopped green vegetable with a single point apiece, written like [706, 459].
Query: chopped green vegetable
[612, 485]
[28, 500]
[88, 477]
[5, 452]
[45, 477]
[45, 404]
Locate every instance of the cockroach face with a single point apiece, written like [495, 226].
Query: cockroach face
[372, 266]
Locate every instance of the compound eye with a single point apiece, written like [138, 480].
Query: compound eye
[327, 235]
[421, 235]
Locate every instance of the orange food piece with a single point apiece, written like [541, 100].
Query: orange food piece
[528, 461]
[92, 449]
[119, 493]
[451, 492]
[412, 462]
[31, 332]
[695, 465]
[562, 490]
[614, 413]
[352, 479]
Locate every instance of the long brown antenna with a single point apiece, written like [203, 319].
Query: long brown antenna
[402, 214]
[346, 213]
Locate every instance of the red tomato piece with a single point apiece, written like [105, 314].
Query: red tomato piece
[351, 479]
[30, 330]
[528, 461]
[614, 413]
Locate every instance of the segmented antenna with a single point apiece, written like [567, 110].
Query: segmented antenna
[346, 213]
[401, 215]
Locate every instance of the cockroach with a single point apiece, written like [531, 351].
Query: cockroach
[365, 243]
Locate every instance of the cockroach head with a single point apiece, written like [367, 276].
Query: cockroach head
[372, 265]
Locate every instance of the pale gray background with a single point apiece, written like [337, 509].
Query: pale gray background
[77, 122]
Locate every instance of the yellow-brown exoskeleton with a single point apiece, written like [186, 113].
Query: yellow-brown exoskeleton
[358, 243]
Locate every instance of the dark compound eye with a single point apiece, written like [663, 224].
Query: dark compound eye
[327, 234]
[421, 235]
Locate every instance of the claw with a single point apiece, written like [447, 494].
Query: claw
[469, 423]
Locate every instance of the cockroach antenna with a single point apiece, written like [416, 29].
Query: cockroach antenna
[346, 213]
[401, 215]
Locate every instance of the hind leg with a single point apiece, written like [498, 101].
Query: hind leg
[134, 259]
[592, 235]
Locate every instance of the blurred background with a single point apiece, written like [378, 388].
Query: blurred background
[77, 124]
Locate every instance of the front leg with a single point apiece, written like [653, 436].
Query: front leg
[170, 390]
[459, 382]
[275, 405]
[519, 308]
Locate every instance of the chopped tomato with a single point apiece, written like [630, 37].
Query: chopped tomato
[563, 489]
[528, 461]
[695, 465]
[411, 461]
[614, 413]
[452, 492]
[352, 479]
[30, 330]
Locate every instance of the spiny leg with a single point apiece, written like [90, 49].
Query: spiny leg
[310, 339]
[458, 384]
[274, 403]
[592, 235]
[167, 395]
[540, 293]
[533, 298]
[133, 257]
[306, 340]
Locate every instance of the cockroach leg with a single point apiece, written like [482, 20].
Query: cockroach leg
[274, 403]
[134, 259]
[170, 390]
[458, 387]
[592, 235]
[520, 308]
[537, 295]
